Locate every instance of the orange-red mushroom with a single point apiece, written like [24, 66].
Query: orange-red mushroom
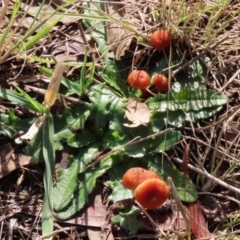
[161, 83]
[151, 193]
[135, 176]
[139, 79]
[160, 39]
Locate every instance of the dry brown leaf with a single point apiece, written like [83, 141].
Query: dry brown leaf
[197, 221]
[47, 9]
[69, 51]
[9, 161]
[118, 37]
[137, 113]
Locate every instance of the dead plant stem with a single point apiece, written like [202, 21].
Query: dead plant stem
[209, 176]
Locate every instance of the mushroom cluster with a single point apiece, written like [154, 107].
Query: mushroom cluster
[149, 190]
[140, 79]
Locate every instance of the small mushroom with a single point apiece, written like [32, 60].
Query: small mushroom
[151, 193]
[139, 79]
[135, 176]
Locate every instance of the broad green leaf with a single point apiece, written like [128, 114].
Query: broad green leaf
[135, 150]
[69, 182]
[159, 67]
[89, 154]
[23, 99]
[87, 182]
[105, 105]
[187, 100]
[63, 190]
[178, 118]
[111, 75]
[72, 120]
[162, 66]
[10, 124]
[164, 141]
[112, 139]
[159, 142]
[127, 219]
[192, 78]
[81, 139]
[119, 192]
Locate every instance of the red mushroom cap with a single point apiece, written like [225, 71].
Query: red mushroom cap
[152, 193]
[160, 39]
[135, 176]
[139, 79]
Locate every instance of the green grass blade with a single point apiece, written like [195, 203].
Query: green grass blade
[84, 81]
[49, 156]
[40, 34]
[23, 99]
[36, 16]
[82, 74]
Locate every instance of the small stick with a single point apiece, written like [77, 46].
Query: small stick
[184, 213]
[209, 176]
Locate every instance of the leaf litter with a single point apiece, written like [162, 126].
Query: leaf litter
[137, 113]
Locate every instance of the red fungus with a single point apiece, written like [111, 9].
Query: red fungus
[151, 193]
[161, 83]
[160, 39]
[135, 176]
[139, 79]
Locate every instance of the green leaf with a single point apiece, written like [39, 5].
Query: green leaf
[10, 124]
[127, 219]
[179, 117]
[89, 154]
[63, 190]
[187, 100]
[112, 139]
[105, 104]
[87, 182]
[164, 141]
[72, 120]
[111, 75]
[49, 157]
[81, 139]
[135, 150]
[192, 78]
[69, 181]
[23, 99]
[119, 192]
